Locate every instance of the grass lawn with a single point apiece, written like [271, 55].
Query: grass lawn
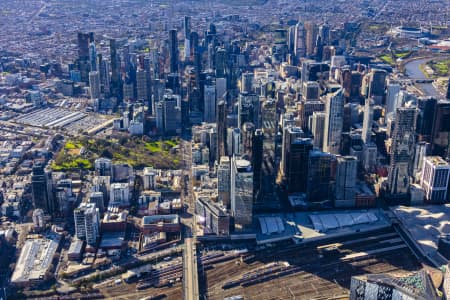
[72, 163]
[387, 59]
[402, 54]
[440, 67]
[154, 147]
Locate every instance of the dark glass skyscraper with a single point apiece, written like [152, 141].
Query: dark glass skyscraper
[173, 51]
[115, 71]
[297, 164]
[221, 128]
[41, 191]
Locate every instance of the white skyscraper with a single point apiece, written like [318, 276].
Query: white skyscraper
[120, 194]
[435, 177]
[86, 218]
[333, 122]
[367, 122]
[393, 89]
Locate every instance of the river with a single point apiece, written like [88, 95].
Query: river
[412, 70]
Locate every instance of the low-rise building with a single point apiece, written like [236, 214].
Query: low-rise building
[160, 223]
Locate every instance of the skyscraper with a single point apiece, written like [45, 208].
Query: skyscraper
[375, 85]
[448, 89]
[221, 63]
[435, 177]
[249, 109]
[142, 85]
[241, 193]
[402, 150]
[334, 121]
[86, 218]
[290, 134]
[224, 180]
[93, 56]
[83, 62]
[297, 158]
[94, 84]
[299, 41]
[346, 169]
[320, 166]
[317, 128]
[41, 189]
[221, 128]
[187, 35]
[173, 51]
[368, 120]
[247, 82]
[257, 160]
[248, 131]
[209, 113]
[116, 88]
[422, 149]
[169, 114]
[393, 88]
[310, 91]
[441, 129]
[311, 36]
[84, 39]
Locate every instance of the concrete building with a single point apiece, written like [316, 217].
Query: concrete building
[149, 178]
[224, 180]
[310, 91]
[334, 121]
[393, 89]
[346, 172]
[317, 128]
[38, 219]
[369, 156]
[94, 85]
[87, 222]
[160, 223]
[119, 195]
[142, 91]
[213, 216]
[103, 166]
[402, 151]
[435, 177]
[35, 260]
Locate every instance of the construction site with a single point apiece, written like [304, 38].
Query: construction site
[317, 270]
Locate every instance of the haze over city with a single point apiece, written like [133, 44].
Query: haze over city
[260, 149]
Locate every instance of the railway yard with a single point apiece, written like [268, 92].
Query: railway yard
[313, 271]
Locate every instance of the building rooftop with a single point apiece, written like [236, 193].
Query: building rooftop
[35, 259]
[437, 161]
[174, 219]
[425, 224]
